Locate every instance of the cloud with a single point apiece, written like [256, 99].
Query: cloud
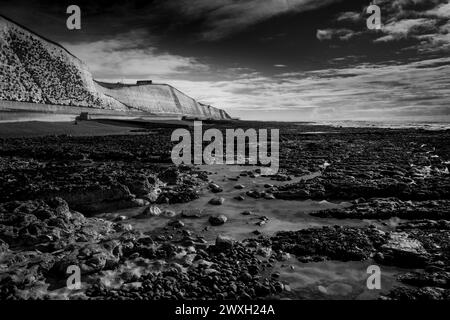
[404, 27]
[442, 11]
[349, 16]
[224, 17]
[416, 90]
[329, 34]
[129, 55]
[425, 22]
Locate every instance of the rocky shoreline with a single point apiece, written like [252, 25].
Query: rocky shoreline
[59, 193]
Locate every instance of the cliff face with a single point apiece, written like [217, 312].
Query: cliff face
[34, 69]
[159, 99]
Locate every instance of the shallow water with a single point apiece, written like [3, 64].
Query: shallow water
[317, 280]
[334, 279]
[284, 215]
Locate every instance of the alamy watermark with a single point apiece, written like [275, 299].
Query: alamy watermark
[73, 22]
[237, 142]
[74, 280]
[374, 21]
[374, 280]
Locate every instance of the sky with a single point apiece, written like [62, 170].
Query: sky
[289, 60]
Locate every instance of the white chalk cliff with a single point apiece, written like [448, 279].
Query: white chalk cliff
[35, 69]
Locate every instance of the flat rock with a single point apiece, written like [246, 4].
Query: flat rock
[217, 201]
[191, 213]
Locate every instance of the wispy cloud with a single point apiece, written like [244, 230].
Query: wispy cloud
[224, 17]
[349, 16]
[341, 34]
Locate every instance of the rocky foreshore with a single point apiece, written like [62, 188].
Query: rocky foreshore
[59, 196]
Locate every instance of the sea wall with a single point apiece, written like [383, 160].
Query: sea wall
[18, 111]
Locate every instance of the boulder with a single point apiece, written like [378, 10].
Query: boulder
[217, 220]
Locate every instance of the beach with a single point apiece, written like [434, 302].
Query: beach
[105, 196]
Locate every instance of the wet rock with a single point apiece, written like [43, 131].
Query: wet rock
[402, 250]
[275, 275]
[426, 293]
[170, 176]
[293, 195]
[210, 271]
[191, 213]
[168, 213]
[215, 188]
[217, 220]
[262, 221]
[264, 252]
[205, 263]
[223, 242]
[246, 213]
[140, 202]
[427, 279]
[3, 247]
[253, 194]
[337, 243]
[387, 208]
[176, 224]
[217, 201]
[245, 277]
[132, 286]
[283, 256]
[269, 196]
[239, 186]
[151, 211]
[240, 198]
[180, 193]
[153, 195]
[120, 218]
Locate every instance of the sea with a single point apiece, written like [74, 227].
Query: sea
[425, 125]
